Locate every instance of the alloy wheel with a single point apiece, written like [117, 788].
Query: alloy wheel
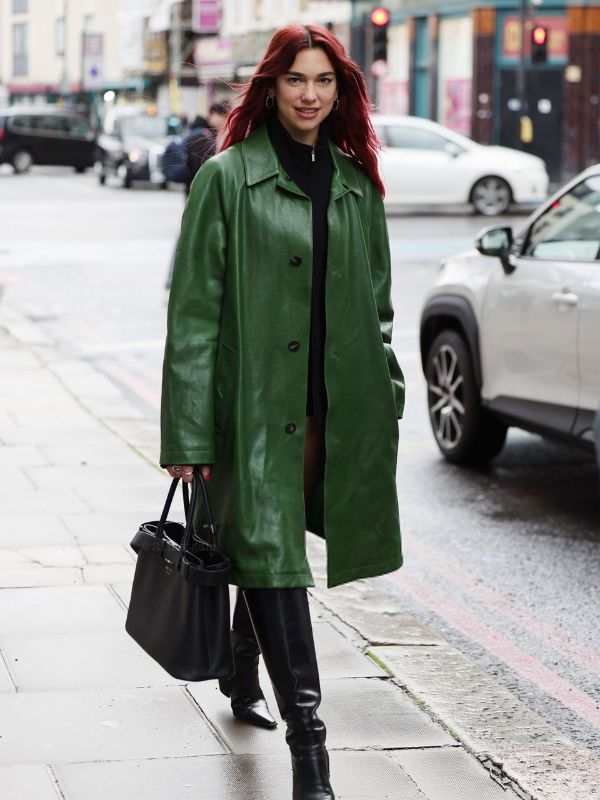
[446, 397]
[491, 196]
[22, 161]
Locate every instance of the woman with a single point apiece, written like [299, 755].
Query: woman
[279, 379]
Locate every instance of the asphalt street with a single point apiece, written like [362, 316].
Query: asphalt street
[502, 561]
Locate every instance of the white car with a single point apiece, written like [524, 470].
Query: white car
[510, 333]
[425, 163]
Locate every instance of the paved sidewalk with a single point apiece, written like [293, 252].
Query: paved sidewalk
[85, 714]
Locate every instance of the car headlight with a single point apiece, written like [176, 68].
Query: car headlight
[137, 155]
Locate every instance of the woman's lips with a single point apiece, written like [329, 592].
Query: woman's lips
[307, 113]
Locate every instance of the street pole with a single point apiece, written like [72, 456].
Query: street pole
[175, 67]
[65, 71]
[525, 123]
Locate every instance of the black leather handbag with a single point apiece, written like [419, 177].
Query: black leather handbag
[179, 608]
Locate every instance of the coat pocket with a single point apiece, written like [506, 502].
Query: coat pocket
[225, 367]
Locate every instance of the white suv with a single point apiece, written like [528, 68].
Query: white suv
[510, 334]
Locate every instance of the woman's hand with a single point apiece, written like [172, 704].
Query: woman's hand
[186, 472]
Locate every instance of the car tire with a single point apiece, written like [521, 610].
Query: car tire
[80, 170]
[491, 196]
[21, 161]
[464, 431]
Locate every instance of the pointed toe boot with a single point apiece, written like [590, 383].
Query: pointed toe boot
[243, 688]
[247, 699]
[284, 633]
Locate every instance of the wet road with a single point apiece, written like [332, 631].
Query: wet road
[502, 561]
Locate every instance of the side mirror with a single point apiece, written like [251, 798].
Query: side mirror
[496, 242]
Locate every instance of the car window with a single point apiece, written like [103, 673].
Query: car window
[570, 229]
[78, 127]
[51, 124]
[407, 137]
[21, 123]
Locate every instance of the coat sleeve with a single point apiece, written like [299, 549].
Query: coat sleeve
[381, 276]
[193, 321]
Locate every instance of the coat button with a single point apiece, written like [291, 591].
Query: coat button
[293, 346]
[295, 261]
[290, 427]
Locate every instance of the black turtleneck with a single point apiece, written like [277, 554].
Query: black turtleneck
[314, 178]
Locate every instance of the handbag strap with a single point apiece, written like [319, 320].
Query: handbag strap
[165, 513]
[198, 485]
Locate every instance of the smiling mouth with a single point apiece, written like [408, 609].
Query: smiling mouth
[307, 111]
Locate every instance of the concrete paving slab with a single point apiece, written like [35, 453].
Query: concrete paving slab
[26, 782]
[147, 500]
[450, 774]
[36, 529]
[13, 358]
[354, 776]
[107, 554]
[22, 456]
[30, 576]
[359, 713]
[81, 661]
[107, 453]
[485, 715]
[35, 502]
[111, 527]
[103, 724]
[83, 380]
[59, 609]
[338, 658]
[51, 434]
[6, 681]
[99, 478]
[14, 478]
[60, 555]
[138, 433]
[108, 573]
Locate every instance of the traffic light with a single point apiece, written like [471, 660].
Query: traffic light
[380, 19]
[539, 44]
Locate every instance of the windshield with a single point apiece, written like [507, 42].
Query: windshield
[150, 127]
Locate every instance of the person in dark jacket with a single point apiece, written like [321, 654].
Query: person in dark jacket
[199, 145]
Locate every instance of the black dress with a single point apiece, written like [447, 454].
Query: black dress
[311, 169]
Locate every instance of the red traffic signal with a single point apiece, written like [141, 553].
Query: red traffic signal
[539, 44]
[540, 35]
[380, 17]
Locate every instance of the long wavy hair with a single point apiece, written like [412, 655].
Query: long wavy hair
[349, 127]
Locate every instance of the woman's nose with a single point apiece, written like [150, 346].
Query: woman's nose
[309, 94]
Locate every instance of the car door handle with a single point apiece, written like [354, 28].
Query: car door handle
[565, 298]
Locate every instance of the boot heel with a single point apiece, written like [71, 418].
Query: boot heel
[225, 685]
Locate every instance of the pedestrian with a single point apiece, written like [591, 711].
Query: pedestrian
[198, 146]
[279, 379]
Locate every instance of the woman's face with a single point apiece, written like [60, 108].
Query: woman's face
[305, 94]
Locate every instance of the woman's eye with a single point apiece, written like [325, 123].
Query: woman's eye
[292, 79]
[326, 80]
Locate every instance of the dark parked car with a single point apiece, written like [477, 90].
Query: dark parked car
[132, 142]
[41, 135]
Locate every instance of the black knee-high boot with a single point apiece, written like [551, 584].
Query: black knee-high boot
[247, 699]
[282, 622]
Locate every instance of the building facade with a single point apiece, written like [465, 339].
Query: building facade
[457, 62]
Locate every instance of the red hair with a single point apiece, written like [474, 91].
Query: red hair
[349, 127]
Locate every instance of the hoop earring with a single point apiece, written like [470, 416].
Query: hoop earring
[269, 102]
[336, 105]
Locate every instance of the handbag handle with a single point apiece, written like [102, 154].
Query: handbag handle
[189, 507]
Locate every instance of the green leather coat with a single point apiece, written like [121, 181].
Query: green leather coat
[234, 395]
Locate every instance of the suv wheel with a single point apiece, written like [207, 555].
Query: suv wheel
[491, 196]
[463, 430]
[21, 161]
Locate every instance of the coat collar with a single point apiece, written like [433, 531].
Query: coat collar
[261, 162]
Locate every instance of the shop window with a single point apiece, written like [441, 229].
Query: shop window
[20, 61]
[20, 6]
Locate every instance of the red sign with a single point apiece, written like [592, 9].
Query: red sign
[556, 30]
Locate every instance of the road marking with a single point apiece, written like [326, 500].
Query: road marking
[511, 654]
[584, 656]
